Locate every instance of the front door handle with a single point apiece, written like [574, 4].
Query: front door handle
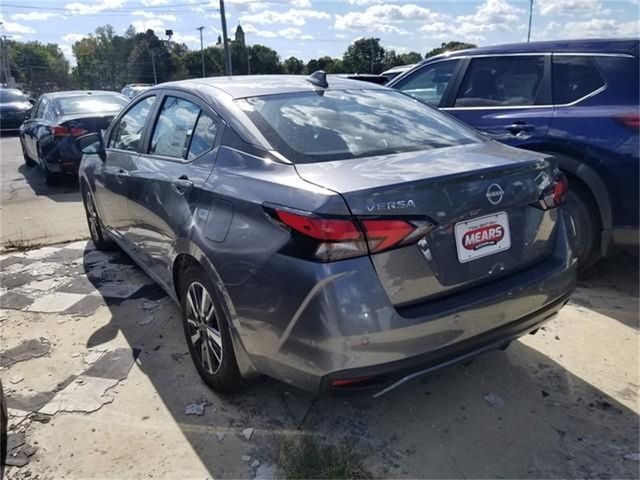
[182, 185]
[120, 174]
[518, 127]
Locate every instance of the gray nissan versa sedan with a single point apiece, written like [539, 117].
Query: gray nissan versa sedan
[330, 235]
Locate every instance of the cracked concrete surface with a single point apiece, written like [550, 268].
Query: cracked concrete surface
[116, 396]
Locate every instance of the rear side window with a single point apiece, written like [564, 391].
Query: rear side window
[128, 133]
[429, 83]
[574, 78]
[502, 81]
[204, 136]
[341, 124]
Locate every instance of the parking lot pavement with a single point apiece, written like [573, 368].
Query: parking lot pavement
[99, 384]
[31, 213]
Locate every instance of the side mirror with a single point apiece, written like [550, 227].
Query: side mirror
[27, 114]
[32, 100]
[92, 144]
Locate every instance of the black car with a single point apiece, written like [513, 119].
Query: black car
[47, 136]
[14, 108]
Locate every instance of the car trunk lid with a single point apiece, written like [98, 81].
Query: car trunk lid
[481, 200]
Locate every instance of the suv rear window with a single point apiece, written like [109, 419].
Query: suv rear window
[574, 77]
[502, 81]
[341, 124]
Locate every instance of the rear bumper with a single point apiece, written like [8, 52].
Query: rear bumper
[62, 156]
[345, 326]
[394, 374]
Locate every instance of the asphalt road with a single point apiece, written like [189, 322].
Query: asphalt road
[32, 213]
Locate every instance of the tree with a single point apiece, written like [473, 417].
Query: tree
[409, 58]
[364, 56]
[39, 67]
[293, 66]
[448, 47]
[264, 60]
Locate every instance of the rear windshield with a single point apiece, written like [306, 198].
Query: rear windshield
[9, 96]
[91, 104]
[341, 124]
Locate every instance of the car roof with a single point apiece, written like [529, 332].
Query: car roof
[593, 45]
[79, 93]
[255, 85]
[399, 68]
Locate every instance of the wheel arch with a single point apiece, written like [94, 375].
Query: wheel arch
[189, 254]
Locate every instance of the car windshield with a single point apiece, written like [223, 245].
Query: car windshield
[341, 124]
[10, 96]
[91, 104]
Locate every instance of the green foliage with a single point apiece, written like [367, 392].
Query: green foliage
[293, 65]
[107, 60]
[449, 46]
[40, 67]
[364, 56]
[306, 458]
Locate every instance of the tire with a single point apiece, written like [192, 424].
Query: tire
[215, 358]
[98, 237]
[29, 162]
[584, 226]
[50, 178]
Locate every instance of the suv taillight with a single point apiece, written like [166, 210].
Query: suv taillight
[328, 239]
[555, 194]
[632, 122]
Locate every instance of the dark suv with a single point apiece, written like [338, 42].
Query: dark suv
[576, 99]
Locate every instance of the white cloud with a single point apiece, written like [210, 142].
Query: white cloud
[78, 8]
[290, 33]
[596, 27]
[73, 37]
[290, 17]
[154, 24]
[571, 7]
[341, 35]
[35, 16]
[153, 3]
[385, 18]
[188, 39]
[491, 16]
[301, 3]
[15, 28]
[398, 49]
[68, 53]
[160, 16]
[364, 2]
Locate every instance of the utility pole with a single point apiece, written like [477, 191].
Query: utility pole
[225, 41]
[372, 55]
[530, 16]
[202, 51]
[153, 62]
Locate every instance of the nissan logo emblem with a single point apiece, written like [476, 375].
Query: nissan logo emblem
[494, 194]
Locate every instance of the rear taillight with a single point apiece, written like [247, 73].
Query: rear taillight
[59, 131]
[328, 239]
[556, 193]
[632, 122]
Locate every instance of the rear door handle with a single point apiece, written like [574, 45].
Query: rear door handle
[182, 185]
[518, 127]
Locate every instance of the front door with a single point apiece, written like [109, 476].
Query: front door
[507, 97]
[123, 148]
[167, 180]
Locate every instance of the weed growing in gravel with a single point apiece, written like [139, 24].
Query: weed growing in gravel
[304, 457]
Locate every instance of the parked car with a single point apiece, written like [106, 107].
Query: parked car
[327, 234]
[133, 89]
[47, 136]
[397, 71]
[577, 100]
[14, 107]
[364, 77]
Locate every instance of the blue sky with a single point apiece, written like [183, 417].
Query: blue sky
[312, 28]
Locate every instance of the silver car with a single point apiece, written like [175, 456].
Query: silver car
[330, 235]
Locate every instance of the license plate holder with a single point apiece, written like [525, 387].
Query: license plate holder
[482, 236]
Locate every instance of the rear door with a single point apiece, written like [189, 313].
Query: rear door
[125, 143]
[178, 158]
[507, 97]
[30, 127]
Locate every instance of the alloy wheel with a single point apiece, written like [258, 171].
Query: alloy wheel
[92, 218]
[203, 328]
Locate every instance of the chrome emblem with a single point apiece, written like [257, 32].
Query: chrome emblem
[494, 194]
